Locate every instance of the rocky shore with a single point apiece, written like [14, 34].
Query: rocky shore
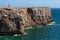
[14, 20]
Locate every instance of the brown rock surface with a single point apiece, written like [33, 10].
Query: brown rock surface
[14, 20]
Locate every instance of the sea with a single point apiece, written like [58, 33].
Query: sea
[49, 32]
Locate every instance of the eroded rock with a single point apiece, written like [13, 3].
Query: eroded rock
[13, 21]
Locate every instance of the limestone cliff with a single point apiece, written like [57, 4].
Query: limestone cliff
[14, 20]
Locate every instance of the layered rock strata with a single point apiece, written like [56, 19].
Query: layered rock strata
[14, 20]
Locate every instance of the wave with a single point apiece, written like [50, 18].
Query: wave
[20, 34]
[52, 23]
[17, 35]
[28, 28]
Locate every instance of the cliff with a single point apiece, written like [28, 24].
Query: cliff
[14, 20]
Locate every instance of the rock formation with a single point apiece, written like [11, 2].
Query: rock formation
[14, 20]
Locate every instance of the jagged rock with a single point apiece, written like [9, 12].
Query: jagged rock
[14, 20]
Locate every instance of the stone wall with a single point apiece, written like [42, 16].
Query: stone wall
[14, 20]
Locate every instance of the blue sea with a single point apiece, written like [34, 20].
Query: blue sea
[50, 32]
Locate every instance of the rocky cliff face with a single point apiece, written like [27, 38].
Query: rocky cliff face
[14, 20]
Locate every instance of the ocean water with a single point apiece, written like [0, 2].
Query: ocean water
[51, 32]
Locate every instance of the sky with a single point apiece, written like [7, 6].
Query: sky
[31, 3]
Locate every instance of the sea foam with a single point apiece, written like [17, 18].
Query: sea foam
[52, 23]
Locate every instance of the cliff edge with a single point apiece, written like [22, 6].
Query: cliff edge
[14, 20]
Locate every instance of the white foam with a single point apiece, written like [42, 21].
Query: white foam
[52, 23]
[24, 33]
[28, 28]
[16, 35]
[20, 34]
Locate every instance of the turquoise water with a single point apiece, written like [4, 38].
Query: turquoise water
[51, 32]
